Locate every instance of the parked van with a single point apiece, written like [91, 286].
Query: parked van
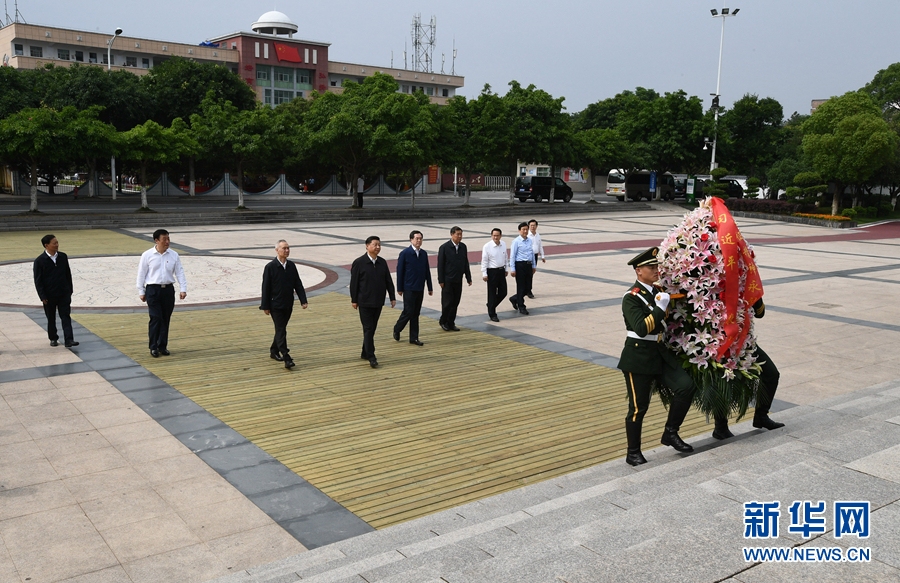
[637, 185]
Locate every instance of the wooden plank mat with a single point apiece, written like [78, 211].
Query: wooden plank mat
[466, 416]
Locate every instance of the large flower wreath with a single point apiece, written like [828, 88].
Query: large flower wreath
[706, 259]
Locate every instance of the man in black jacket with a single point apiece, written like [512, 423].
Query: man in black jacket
[452, 265]
[280, 281]
[370, 279]
[53, 281]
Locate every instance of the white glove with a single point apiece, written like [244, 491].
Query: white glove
[662, 300]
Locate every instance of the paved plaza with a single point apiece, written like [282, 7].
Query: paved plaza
[489, 454]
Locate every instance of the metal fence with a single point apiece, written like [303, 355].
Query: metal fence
[497, 182]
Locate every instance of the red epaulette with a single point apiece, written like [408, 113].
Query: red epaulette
[636, 291]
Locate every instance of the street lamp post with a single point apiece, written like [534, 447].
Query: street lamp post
[716, 14]
[112, 160]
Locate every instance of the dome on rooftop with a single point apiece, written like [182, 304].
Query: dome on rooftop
[276, 23]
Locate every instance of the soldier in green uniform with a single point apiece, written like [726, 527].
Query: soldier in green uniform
[768, 384]
[646, 359]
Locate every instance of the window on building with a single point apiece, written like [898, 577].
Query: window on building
[543, 171]
[267, 99]
[233, 46]
[405, 89]
[62, 54]
[429, 91]
[131, 61]
[92, 57]
[37, 51]
[79, 56]
[445, 92]
[145, 63]
[284, 76]
[262, 75]
[302, 76]
[282, 97]
[104, 58]
[256, 51]
[300, 94]
[20, 50]
[234, 70]
[334, 83]
[265, 50]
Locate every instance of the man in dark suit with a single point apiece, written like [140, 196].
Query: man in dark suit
[413, 272]
[452, 265]
[646, 359]
[280, 281]
[53, 282]
[370, 280]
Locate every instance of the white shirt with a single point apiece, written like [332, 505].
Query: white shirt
[413, 247]
[536, 244]
[159, 268]
[493, 256]
[53, 257]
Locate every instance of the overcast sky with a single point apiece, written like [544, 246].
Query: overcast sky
[791, 50]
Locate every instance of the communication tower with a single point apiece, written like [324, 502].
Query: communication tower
[424, 37]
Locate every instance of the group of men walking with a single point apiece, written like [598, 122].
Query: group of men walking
[645, 359]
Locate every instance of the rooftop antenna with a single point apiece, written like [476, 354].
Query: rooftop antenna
[404, 57]
[392, 59]
[453, 62]
[443, 58]
[423, 38]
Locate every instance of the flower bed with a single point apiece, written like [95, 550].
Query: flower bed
[823, 217]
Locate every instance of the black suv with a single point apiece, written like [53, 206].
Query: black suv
[538, 188]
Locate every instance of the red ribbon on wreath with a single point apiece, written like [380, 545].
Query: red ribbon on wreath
[733, 247]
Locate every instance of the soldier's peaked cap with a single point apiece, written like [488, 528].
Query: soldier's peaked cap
[648, 257]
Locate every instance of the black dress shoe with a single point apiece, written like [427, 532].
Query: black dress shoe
[71, 344]
[396, 336]
[764, 422]
[445, 328]
[276, 356]
[154, 353]
[523, 311]
[531, 296]
[164, 351]
[515, 303]
[417, 342]
[671, 438]
[54, 343]
[373, 362]
[635, 459]
[454, 328]
[494, 318]
[288, 363]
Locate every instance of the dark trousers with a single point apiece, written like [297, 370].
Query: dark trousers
[537, 257]
[496, 288]
[160, 304]
[768, 382]
[359, 198]
[639, 389]
[369, 318]
[280, 318]
[64, 306]
[451, 294]
[523, 282]
[412, 305]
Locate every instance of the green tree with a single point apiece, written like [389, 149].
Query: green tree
[752, 133]
[178, 86]
[846, 141]
[536, 130]
[605, 114]
[884, 90]
[94, 140]
[190, 150]
[601, 150]
[16, 92]
[150, 144]
[34, 136]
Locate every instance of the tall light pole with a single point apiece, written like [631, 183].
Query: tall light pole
[112, 160]
[715, 102]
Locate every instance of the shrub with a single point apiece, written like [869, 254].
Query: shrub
[849, 213]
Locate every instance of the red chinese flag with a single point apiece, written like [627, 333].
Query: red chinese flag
[287, 53]
[733, 247]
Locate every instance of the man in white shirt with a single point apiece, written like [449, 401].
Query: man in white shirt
[538, 247]
[494, 269]
[157, 271]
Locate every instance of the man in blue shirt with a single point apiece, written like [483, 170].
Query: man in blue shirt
[521, 259]
[413, 273]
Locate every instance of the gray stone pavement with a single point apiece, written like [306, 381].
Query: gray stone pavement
[677, 518]
[93, 488]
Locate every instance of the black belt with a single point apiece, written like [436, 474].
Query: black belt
[496, 268]
[160, 284]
